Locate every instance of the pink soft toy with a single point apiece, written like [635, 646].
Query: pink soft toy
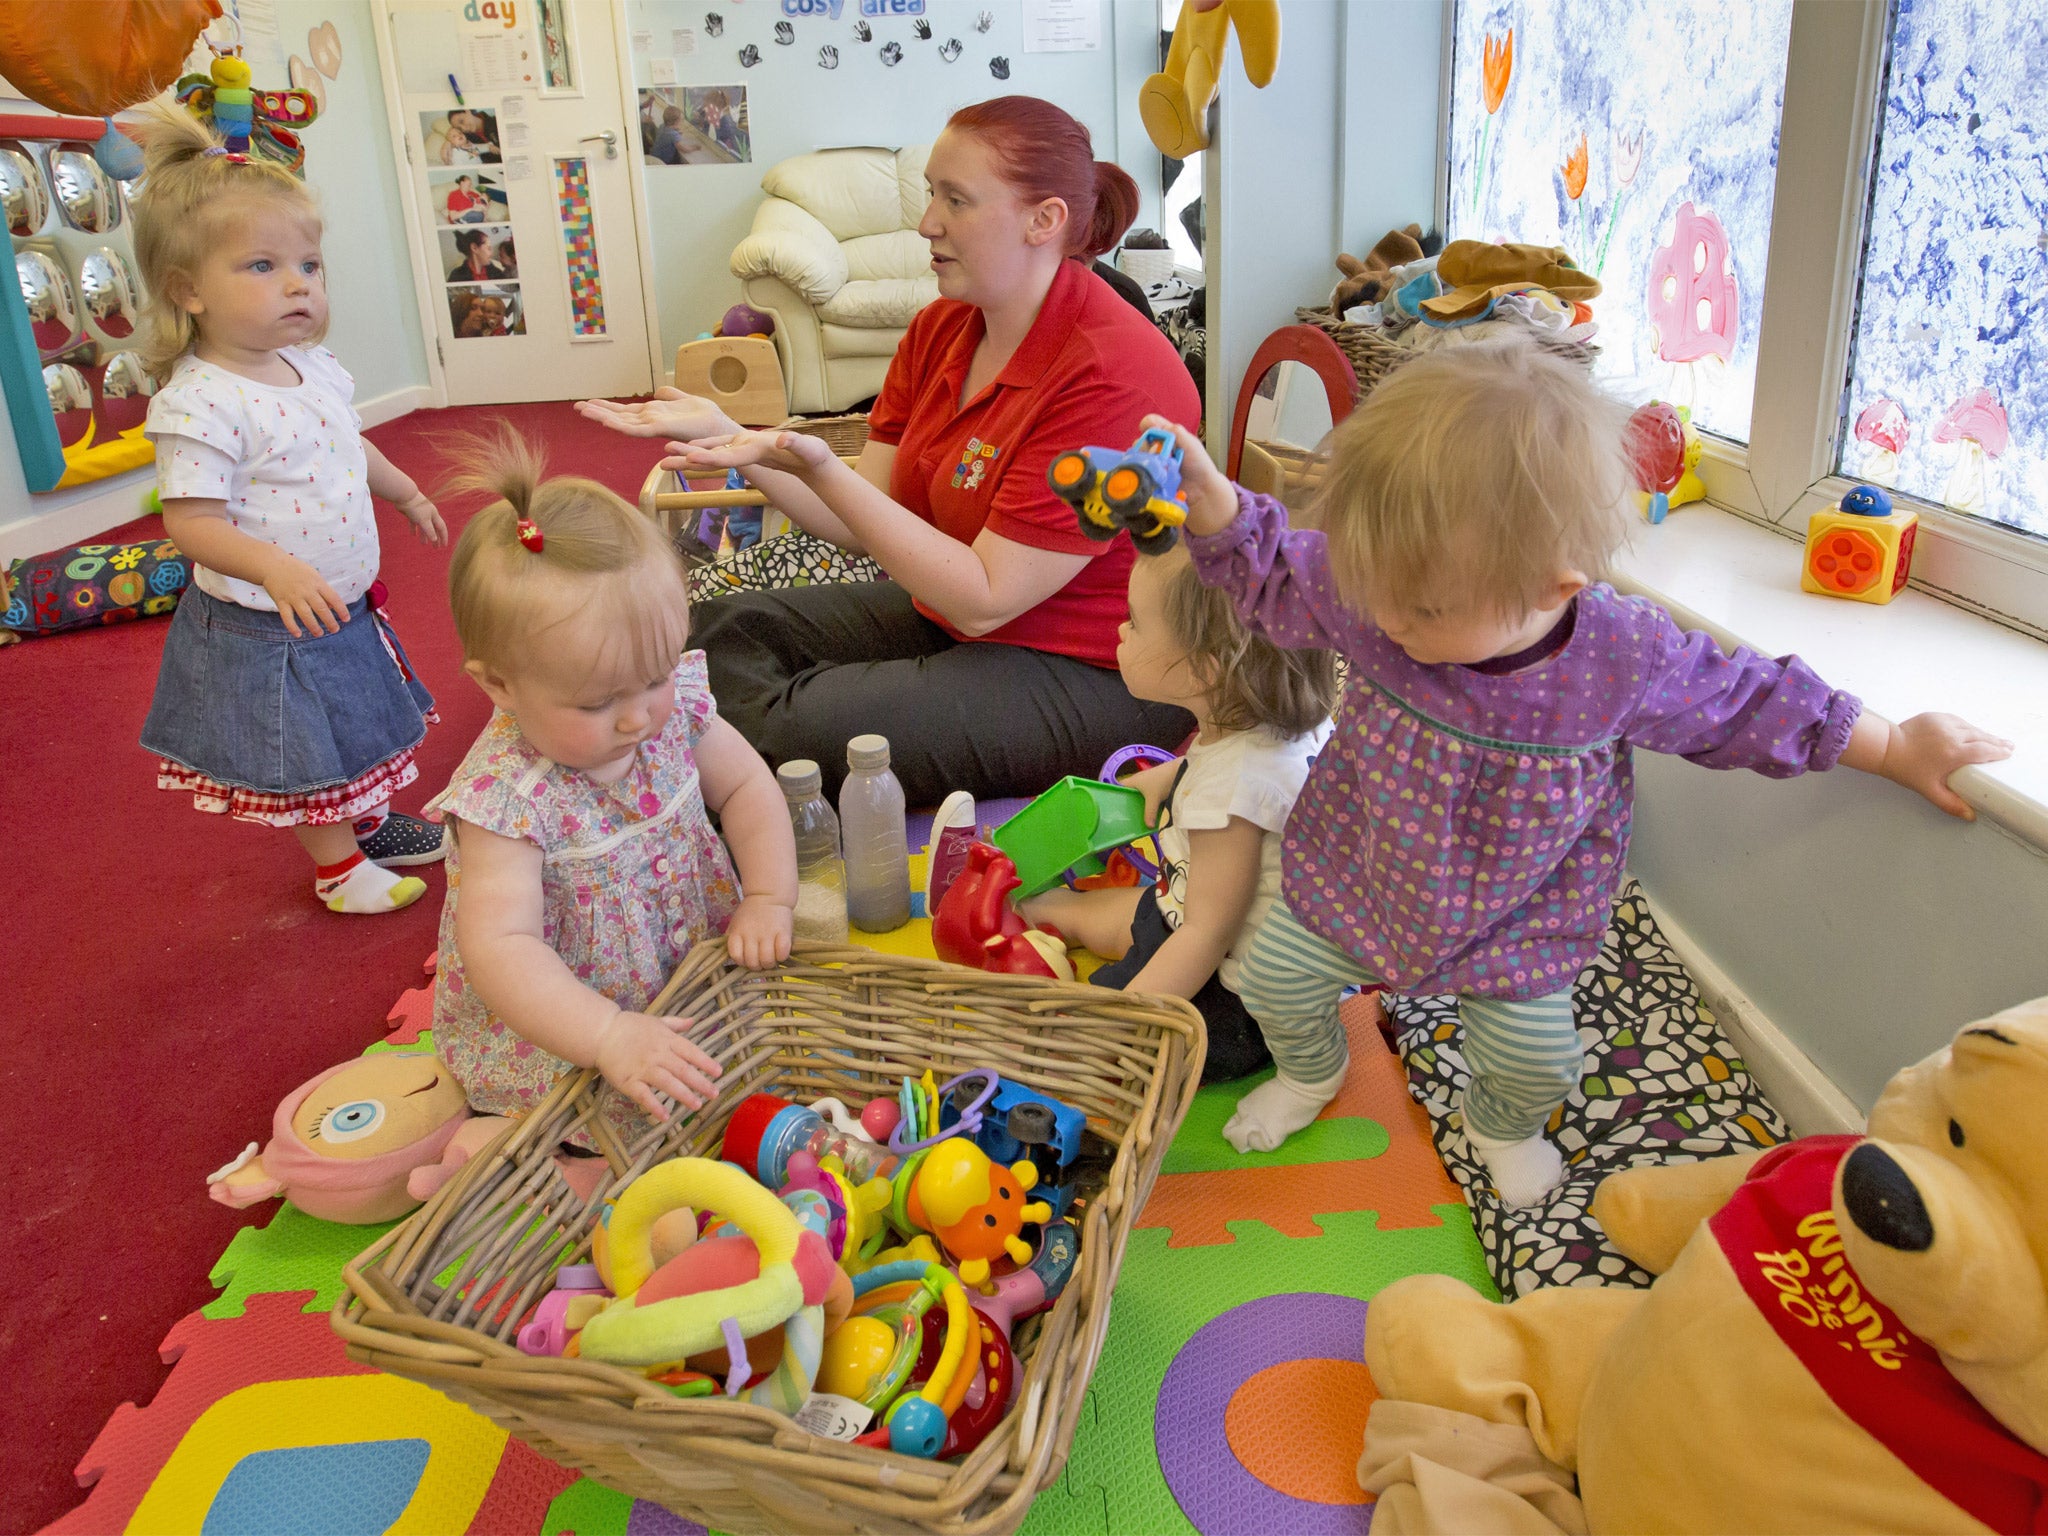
[363, 1142]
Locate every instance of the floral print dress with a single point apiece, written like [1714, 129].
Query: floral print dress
[632, 876]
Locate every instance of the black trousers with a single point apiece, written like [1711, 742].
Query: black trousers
[1236, 1048]
[801, 671]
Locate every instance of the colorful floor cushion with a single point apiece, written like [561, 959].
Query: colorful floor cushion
[1661, 1084]
[93, 584]
[792, 559]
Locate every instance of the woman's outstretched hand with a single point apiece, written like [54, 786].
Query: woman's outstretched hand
[671, 413]
[795, 453]
[1211, 499]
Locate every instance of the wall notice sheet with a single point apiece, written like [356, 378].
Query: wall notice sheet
[1062, 26]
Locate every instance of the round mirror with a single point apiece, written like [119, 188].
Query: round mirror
[1292, 407]
[26, 204]
[70, 401]
[84, 191]
[52, 308]
[107, 287]
[124, 392]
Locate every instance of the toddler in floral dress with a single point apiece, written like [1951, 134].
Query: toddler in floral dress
[1466, 827]
[582, 865]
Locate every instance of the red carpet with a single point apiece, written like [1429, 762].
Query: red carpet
[170, 978]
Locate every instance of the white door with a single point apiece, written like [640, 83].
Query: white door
[512, 132]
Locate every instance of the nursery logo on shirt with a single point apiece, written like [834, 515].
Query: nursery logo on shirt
[973, 466]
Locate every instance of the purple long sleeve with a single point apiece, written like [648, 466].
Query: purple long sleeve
[1742, 711]
[1278, 578]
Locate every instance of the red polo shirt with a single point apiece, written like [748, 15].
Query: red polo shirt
[1090, 370]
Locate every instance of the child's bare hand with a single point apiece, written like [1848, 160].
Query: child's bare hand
[759, 934]
[1923, 751]
[306, 603]
[1212, 499]
[426, 520]
[641, 1055]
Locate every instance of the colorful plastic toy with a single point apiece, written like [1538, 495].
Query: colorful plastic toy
[1026, 1126]
[977, 926]
[1666, 448]
[879, 1119]
[1112, 490]
[1861, 550]
[951, 1108]
[765, 1132]
[973, 1206]
[856, 1212]
[1070, 827]
[991, 1370]
[549, 1332]
[872, 1356]
[251, 121]
[1033, 1287]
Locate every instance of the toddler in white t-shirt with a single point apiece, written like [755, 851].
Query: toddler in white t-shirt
[1262, 713]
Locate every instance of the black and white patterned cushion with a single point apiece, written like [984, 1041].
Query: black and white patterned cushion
[1661, 1084]
[792, 559]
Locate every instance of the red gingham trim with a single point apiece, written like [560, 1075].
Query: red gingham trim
[318, 808]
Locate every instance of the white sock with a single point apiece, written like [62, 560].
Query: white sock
[1523, 1171]
[357, 885]
[1275, 1110]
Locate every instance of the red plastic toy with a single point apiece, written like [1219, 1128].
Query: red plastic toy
[976, 926]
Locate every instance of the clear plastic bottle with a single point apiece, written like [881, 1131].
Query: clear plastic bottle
[820, 872]
[877, 847]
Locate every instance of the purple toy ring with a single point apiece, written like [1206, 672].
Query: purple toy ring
[970, 1117]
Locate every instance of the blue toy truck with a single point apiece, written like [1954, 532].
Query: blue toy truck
[1114, 489]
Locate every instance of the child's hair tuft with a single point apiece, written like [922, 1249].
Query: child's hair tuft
[596, 553]
[1475, 477]
[188, 198]
[1256, 684]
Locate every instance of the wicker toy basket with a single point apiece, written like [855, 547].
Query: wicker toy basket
[439, 1298]
[1373, 356]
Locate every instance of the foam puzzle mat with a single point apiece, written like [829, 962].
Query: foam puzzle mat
[1231, 1395]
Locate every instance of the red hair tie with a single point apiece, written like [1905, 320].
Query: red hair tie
[530, 535]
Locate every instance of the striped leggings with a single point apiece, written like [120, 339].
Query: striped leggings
[1525, 1056]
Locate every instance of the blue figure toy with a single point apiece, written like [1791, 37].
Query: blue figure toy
[1112, 490]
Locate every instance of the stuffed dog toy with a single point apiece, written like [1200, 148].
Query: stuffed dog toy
[1846, 1333]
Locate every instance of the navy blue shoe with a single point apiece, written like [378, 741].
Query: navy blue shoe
[403, 840]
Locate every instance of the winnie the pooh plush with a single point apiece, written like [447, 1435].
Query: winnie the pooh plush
[1174, 104]
[1846, 1334]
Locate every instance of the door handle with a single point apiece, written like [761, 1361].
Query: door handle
[611, 142]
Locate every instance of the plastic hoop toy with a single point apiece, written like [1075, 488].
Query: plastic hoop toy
[916, 1423]
[680, 1326]
[1112, 770]
[969, 1123]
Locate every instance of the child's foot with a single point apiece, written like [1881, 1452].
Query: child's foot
[1274, 1111]
[1523, 1171]
[400, 840]
[357, 885]
[952, 835]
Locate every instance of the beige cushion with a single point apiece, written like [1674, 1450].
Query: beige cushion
[859, 341]
[791, 244]
[854, 192]
[884, 303]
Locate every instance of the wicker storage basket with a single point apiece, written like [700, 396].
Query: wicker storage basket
[438, 1299]
[1373, 356]
[847, 434]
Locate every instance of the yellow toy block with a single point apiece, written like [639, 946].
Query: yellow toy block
[1861, 550]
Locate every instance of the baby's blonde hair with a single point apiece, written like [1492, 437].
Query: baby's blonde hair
[188, 198]
[598, 557]
[1256, 683]
[1473, 478]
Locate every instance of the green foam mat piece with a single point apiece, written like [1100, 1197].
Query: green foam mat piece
[295, 1252]
[587, 1508]
[1163, 1296]
[1200, 1148]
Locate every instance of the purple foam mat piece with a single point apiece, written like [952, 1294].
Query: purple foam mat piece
[1215, 1492]
[647, 1519]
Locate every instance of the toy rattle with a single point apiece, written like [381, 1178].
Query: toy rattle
[1861, 549]
[856, 1367]
[973, 1206]
[1136, 489]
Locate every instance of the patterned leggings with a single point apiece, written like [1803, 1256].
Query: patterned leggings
[1525, 1056]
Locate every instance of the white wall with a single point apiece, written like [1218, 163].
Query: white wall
[375, 327]
[697, 214]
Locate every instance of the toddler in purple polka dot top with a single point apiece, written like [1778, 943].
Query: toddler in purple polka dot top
[1466, 827]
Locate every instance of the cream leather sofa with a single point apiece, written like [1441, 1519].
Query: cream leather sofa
[835, 257]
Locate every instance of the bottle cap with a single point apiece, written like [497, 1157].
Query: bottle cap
[867, 752]
[749, 1123]
[800, 779]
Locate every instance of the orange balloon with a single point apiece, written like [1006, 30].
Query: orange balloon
[132, 50]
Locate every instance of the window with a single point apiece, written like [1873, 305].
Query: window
[1643, 139]
[1950, 366]
[1878, 175]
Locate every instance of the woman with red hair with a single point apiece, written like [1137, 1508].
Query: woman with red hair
[988, 658]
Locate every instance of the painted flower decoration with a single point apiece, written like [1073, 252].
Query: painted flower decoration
[1497, 58]
[1628, 157]
[1574, 171]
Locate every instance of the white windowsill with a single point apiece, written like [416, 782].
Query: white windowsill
[1740, 583]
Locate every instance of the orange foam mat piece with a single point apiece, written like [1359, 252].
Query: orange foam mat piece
[1404, 1184]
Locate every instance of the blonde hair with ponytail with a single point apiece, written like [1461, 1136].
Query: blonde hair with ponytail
[597, 558]
[189, 197]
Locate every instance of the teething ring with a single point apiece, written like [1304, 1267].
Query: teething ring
[916, 1423]
[969, 1122]
[679, 1326]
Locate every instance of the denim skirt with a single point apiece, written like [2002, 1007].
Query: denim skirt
[241, 701]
